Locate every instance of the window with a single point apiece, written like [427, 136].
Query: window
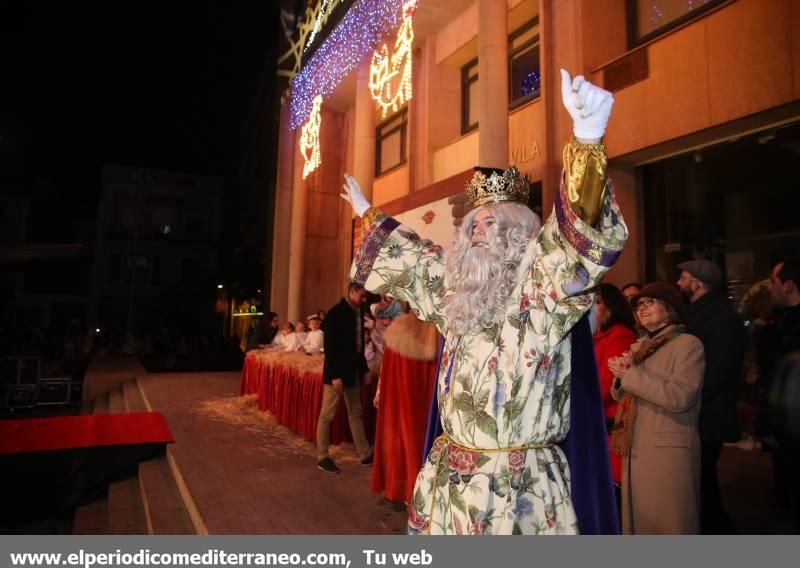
[391, 142]
[696, 205]
[650, 18]
[524, 74]
[115, 269]
[155, 275]
[469, 96]
[524, 70]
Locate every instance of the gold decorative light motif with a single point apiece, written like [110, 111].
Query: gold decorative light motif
[309, 138]
[385, 68]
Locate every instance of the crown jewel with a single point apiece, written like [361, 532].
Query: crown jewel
[510, 186]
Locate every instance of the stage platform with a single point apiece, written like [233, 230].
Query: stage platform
[248, 475]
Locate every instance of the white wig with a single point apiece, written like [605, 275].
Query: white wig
[479, 280]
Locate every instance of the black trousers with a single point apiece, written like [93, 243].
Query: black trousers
[713, 518]
[786, 472]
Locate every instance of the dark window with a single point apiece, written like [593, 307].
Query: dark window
[391, 142]
[524, 74]
[115, 269]
[524, 70]
[156, 272]
[190, 269]
[195, 226]
[469, 96]
[744, 218]
[648, 19]
[57, 277]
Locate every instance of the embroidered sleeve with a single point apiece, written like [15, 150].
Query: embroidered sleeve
[573, 255]
[393, 260]
[585, 179]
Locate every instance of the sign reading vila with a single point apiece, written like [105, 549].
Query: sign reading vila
[525, 153]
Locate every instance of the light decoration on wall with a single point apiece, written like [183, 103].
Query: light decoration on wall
[365, 25]
[531, 83]
[655, 16]
[309, 138]
[385, 67]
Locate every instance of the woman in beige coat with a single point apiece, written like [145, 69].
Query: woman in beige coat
[658, 385]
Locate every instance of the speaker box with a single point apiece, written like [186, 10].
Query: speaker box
[53, 392]
[19, 396]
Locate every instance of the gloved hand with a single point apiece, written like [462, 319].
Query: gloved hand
[588, 105]
[354, 196]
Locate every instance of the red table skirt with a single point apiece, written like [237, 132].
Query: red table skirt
[294, 397]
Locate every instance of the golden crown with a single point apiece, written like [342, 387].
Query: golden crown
[509, 186]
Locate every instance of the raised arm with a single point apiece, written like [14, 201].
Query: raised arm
[585, 234]
[393, 260]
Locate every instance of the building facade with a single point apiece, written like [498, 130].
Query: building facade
[702, 140]
[156, 248]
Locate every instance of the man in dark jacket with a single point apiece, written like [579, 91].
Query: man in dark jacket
[710, 317]
[779, 340]
[344, 371]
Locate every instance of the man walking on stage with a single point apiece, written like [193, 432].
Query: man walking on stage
[344, 371]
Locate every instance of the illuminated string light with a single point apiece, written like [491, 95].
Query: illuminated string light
[384, 68]
[362, 29]
[531, 83]
[655, 16]
[309, 138]
[325, 5]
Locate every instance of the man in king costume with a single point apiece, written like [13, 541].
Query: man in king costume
[505, 296]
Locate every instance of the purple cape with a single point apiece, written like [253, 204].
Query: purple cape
[586, 444]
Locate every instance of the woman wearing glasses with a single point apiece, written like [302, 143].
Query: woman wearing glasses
[658, 385]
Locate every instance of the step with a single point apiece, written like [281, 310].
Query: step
[165, 507]
[126, 510]
[101, 404]
[133, 397]
[116, 401]
[91, 518]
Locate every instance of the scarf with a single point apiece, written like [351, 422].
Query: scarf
[622, 433]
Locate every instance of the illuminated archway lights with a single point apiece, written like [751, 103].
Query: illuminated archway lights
[363, 28]
[386, 67]
[309, 138]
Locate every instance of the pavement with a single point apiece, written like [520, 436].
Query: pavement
[250, 475]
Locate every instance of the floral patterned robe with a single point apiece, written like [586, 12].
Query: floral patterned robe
[504, 393]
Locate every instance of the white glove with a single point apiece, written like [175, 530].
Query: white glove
[354, 196]
[588, 105]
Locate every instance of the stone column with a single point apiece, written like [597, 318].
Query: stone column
[297, 239]
[279, 290]
[493, 84]
[364, 132]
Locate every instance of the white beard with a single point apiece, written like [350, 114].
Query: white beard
[481, 279]
[479, 290]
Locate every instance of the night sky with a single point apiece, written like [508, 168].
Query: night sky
[159, 84]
